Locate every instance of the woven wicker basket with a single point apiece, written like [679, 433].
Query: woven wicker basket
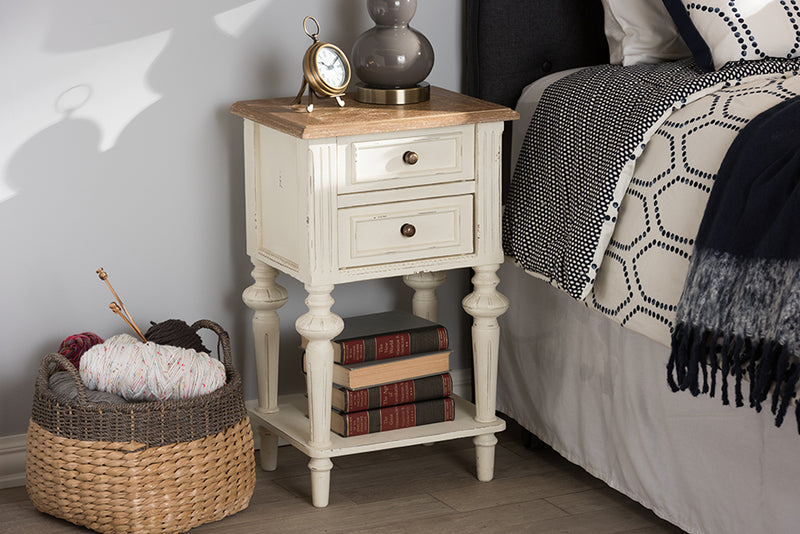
[140, 467]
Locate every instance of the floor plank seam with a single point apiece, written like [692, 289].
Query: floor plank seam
[453, 510]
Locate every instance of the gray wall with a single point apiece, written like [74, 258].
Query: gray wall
[117, 150]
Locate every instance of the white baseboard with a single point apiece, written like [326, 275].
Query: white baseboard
[462, 383]
[12, 448]
[12, 461]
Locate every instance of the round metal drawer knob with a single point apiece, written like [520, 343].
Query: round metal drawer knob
[408, 230]
[411, 157]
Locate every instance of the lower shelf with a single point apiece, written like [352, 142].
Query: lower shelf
[291, 423]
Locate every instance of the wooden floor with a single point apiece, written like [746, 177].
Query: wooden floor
[415, 489]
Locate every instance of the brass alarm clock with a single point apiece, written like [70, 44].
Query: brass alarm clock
[326, 70]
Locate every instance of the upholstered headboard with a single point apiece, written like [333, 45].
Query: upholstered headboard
[511, 43]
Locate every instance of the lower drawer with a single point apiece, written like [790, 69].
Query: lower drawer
[404, 231]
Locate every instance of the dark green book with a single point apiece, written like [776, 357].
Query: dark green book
[392, 417]
[392, 394]
[385, 335]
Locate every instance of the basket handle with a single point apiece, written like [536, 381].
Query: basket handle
[224, 340]
[44, 374]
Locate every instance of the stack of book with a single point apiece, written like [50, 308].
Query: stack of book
[390, 371]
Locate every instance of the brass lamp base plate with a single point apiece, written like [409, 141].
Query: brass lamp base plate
[410, 95]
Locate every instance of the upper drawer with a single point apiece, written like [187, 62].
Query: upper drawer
[406, 159]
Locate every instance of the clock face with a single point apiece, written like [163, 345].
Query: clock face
[331, 67]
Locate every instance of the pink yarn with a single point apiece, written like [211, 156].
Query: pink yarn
[76, 345]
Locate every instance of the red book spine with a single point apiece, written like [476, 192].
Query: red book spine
[441, 333]
[392, 345]
[390, 418]
[356, 424]
[357, 400]
[353, 351]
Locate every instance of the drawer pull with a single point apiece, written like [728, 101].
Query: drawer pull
[408, 230]
[411, 157]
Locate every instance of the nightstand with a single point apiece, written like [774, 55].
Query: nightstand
[364, 192]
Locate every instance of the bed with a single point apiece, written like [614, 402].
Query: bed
[584, 360]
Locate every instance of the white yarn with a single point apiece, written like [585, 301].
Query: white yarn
[140, 371]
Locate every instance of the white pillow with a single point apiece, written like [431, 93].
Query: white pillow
[641, 31]
[738, 30]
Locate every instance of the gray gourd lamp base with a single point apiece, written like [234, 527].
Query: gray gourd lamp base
[392, 59]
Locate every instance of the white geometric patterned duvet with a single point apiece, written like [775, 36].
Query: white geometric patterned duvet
[644, 266]
[647, 259]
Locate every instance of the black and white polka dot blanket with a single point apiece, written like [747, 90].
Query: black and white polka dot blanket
[580, 152]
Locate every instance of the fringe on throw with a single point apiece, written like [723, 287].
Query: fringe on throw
[768, 366]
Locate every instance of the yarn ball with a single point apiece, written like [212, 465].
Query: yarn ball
[139, 371]
[176, 333]
[76, 345]
[62, 385]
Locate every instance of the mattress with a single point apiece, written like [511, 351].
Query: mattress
[597, 392]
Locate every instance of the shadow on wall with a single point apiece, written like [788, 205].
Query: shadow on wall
[116, 150]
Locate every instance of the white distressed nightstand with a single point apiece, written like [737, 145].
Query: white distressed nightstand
[364, 192]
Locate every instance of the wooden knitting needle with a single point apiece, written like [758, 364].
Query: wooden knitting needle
[116, 307]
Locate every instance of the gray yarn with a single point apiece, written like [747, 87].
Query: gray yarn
[63, 386]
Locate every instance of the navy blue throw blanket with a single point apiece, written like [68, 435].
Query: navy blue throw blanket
[739, 313]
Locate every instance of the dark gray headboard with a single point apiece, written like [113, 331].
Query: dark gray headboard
[511, 43]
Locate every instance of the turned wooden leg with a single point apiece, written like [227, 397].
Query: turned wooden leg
[485, 304]
[269, 449]
[484, 456]
[264, 298]
[319, 326]
[425, 304]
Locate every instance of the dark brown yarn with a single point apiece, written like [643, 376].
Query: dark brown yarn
[176, 333]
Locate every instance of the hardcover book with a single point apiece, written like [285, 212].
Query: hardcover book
[362, 375]
[392, 417]
[391, 334]
[403, 392]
